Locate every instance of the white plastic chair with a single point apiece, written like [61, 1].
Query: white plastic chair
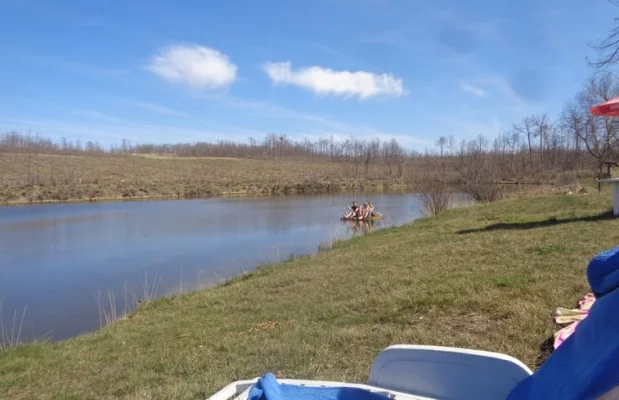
[422, 373]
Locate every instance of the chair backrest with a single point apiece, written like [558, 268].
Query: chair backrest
[447, 373]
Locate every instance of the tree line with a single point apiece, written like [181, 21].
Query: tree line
[575, 140]
[358, 153]
[537, 145]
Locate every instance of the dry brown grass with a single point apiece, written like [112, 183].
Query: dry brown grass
[29, 177]
[41, 178]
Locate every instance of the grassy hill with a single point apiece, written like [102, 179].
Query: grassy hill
[486, 277]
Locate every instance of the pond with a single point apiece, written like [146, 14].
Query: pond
[57, 260]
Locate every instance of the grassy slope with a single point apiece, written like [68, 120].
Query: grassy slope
[38, 178]
[328, 315]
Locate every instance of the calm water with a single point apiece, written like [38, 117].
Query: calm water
[54, 258]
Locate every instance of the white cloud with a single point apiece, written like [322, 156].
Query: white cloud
[325, 81]
[196, 66]
[472, 90]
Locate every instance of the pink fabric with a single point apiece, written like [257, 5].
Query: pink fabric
[572, 317]
[564, 333]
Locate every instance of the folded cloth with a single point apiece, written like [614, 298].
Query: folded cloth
[572, 317]
[586, 365]
[267, 388]
[567, 316]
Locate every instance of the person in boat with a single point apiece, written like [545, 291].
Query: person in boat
[363, 212]
[353, 210]
[371, 208]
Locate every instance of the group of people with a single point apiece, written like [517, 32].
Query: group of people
[361, 213]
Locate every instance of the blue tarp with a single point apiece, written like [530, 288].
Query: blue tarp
[268, 388]
[586, 365]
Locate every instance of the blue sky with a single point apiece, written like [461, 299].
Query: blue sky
[188, 70]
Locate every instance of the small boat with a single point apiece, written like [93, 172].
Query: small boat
[374, 217]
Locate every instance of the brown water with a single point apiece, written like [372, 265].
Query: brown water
[54, 258]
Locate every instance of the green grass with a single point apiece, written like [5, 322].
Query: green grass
[487, 277]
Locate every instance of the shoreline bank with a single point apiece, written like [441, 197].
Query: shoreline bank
[61, 178]
[382, 188]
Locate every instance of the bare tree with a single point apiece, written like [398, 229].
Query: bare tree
[527, 129]
[478, 174]
[269, 143]
[441, 143]
[282, 142]
[357, 153]
[394, 155]
[608, 48]
[482, 143]
[572, 122]
[452, 144]
[434, 192]
[125, 146]
[600, 135]
[370, 150]
[541, 127]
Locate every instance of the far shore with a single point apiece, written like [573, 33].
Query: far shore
[44, 178]
[396, 188]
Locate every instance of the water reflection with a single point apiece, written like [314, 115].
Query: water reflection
[357, 227]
